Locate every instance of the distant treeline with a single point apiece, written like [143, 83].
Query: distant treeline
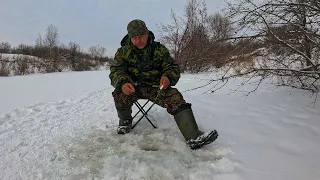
[48, 55]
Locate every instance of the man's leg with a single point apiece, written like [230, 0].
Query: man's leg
[123, 105]
[173, 101]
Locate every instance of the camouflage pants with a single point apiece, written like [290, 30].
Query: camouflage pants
[169, 98]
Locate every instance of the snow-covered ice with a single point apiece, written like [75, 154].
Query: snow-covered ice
[62, 126]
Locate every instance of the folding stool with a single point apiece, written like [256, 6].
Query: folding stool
[144, 113]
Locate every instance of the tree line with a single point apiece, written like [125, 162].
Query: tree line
[48, 55]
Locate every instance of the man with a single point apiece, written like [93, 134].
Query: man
[141, 65]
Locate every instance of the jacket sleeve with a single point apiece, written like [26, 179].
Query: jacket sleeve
[118, 70]
[170, 69]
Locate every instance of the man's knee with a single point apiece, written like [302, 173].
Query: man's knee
[173, 100]
[121, 100]
[173, 93]
[176, 96]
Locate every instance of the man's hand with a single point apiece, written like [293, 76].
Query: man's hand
[127, 88]
[164, 81]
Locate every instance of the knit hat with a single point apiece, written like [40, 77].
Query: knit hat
[136, 28]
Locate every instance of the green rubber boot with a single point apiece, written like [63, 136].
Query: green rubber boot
[189, 128]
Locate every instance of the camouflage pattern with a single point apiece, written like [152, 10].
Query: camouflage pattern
[141, 67]
[136, 28]
[169, 98]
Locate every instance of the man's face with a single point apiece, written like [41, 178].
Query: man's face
[140, 41]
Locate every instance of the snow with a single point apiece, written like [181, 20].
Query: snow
[63, 126]
[12, 57]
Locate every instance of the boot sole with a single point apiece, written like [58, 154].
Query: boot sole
[210, 138]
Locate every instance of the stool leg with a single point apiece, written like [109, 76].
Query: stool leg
[140, 108]
[144, 114]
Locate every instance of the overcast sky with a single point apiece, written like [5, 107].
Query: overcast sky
[86, 22]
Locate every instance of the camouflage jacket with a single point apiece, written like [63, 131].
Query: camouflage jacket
[142, 67]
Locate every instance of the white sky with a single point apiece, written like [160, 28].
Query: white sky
[87, 23]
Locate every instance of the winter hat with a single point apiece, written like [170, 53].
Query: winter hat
[136, 28]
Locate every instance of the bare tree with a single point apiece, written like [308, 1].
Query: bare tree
[39, 41]
[97, 51]
[51, 40]
[4, 66]
[219, 27]
[5, 47]
[196, 38]
[73, 54]
[290, 25]
[172, 35]
[51, 37]
[189, 38]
